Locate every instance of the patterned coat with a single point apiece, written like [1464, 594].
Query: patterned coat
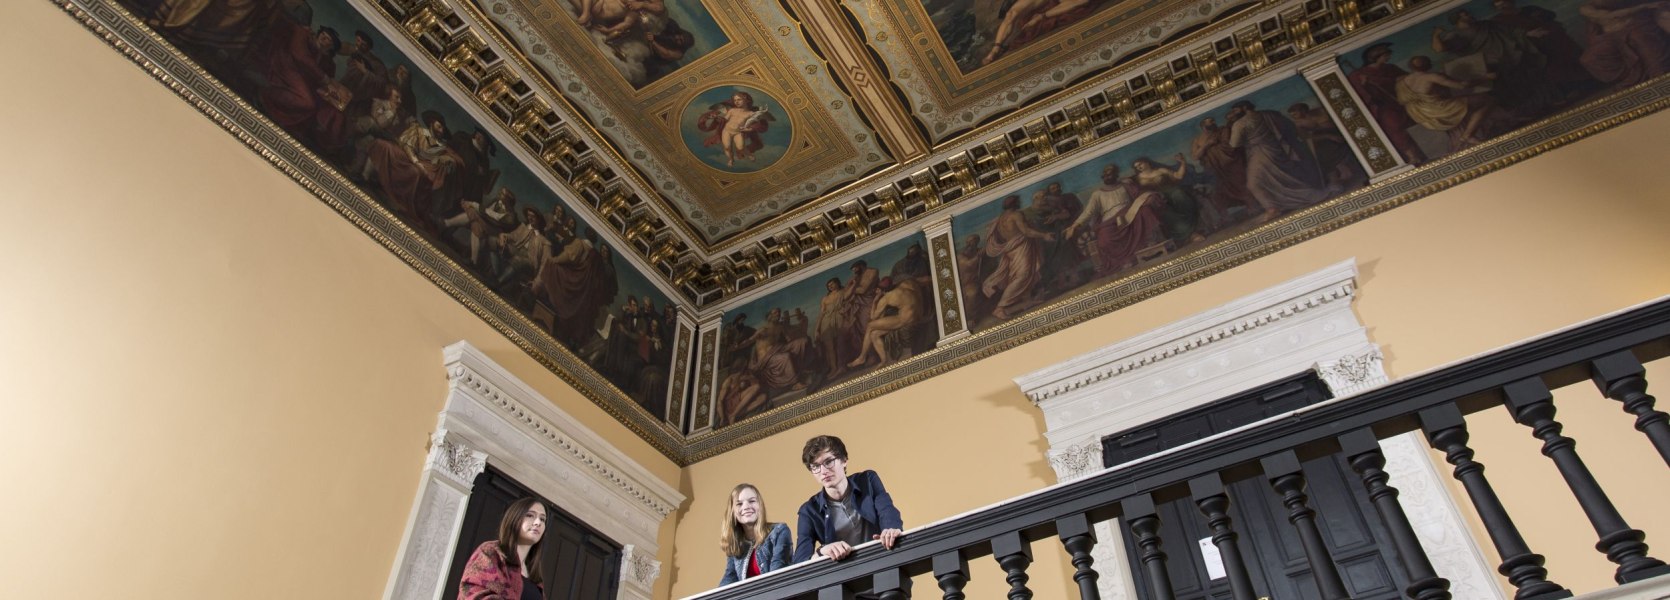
[486, 577]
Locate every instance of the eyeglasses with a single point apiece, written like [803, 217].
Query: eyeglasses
[823, 466]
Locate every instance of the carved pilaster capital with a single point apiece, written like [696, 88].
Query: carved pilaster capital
[1073, 462]
[455, 461]
[1353, 373]
[638, 567]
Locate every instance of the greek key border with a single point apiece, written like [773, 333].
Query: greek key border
[123, 32]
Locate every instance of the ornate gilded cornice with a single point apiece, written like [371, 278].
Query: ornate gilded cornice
[1146, 88]
[122, 31]
[1542, 136]
[1118, 105]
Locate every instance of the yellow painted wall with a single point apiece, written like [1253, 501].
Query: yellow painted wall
[1558, 239]
[212, 381]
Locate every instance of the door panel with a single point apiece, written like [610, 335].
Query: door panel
[578, 563]
[1269, 544]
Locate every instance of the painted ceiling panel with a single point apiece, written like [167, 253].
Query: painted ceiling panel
[1105, 153]
[948, 62]
[796, 136]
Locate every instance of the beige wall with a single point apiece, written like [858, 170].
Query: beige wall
[213, 381]
[1558, 239]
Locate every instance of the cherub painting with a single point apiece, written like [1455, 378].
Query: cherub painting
[735, 127]
[728, 128]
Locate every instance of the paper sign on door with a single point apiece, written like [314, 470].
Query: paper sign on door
[1214, 561]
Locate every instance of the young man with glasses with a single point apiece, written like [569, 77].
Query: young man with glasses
[848, 511]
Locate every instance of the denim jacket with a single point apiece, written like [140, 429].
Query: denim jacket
[817, 525]
[773, 554]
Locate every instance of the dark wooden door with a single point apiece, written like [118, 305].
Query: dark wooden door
[578, 562]
[1359, 544]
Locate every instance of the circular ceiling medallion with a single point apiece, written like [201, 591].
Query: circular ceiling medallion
[736, 128]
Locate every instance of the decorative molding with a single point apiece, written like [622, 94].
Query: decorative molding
[948, 296]
[1368, 142]
[971, 167]
[638, 568]
[707, 377]
[1298, 325]
[493, 417]
[678, 390]
[454, 459]
[1353, 373]
[529, 24]
[1437, 520]
[471, 371]
[1240, 318]
[1074, 462]
[125, 33]
[420, 566]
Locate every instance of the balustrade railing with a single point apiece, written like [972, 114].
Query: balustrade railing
[1609, 352]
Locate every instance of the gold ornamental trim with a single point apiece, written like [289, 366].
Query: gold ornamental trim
[1545, 135]
[122, 31]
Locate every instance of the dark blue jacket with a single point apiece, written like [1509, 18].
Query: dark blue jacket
[817, 523]
[773, 554]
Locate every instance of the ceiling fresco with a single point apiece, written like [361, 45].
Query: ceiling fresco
[516, 153]
[728, 113]
[958, 63]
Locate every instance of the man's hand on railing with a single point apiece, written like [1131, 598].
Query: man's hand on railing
[835, 550]
[889, 537]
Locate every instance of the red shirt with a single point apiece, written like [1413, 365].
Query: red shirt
[753, 564]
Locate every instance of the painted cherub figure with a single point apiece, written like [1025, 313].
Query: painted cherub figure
[614, 18]
[736, 127]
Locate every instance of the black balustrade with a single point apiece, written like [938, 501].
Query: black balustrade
[1209, 495]
[951, 569]
[1078, 538]
[1014, 554]
[1447, 431]
[1621, 377]
[1144, 521]
[1532, 405]
[1609, 352]
[1362, 449]
[1287, 478]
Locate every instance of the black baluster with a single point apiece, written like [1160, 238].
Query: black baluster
[1139, 513]
[1208, 493]
[1362, 450]
[951, 569]
[1014, 554]
[1533, 406]
[1078, 537]
[1447, 432]
[1621, 377]
[834, 592]
[889, 584]
[1288, 479]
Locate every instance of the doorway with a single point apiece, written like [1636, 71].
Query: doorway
[578, 562]
[1275, 559]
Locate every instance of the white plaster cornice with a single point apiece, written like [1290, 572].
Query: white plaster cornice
[1326, 286]
[469, 370]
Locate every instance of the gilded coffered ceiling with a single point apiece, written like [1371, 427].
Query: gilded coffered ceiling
[740, 139]
[660, 82]
[515, 152]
